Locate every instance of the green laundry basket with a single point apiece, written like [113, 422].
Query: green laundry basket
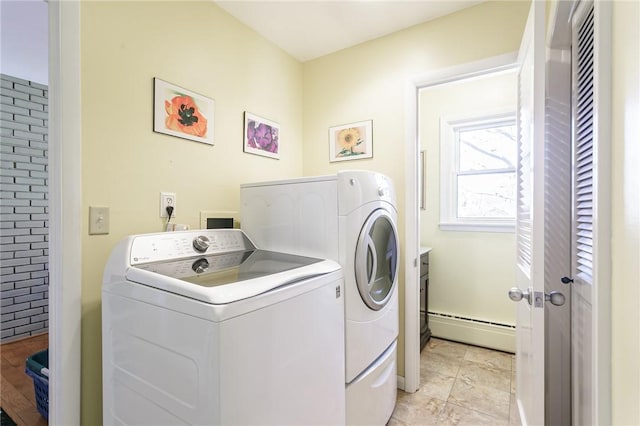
[38, 369]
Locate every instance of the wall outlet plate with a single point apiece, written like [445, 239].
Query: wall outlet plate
[167, 199]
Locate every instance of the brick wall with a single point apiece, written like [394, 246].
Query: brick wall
[24, 269]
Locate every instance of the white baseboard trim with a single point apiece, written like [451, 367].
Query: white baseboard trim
[467, 330]
[400, 381]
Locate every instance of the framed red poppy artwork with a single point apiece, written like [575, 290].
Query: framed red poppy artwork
[261, 136]
[352, 141]
[182, 113]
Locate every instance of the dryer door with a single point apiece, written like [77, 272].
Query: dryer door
[377, 259]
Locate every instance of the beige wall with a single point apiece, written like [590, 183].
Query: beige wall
[470, 272]
[625, 280]
[125, 164]
[368, 81]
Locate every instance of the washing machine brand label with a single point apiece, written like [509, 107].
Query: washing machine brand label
[338, 292]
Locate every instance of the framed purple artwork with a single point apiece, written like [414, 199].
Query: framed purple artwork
[261, 136]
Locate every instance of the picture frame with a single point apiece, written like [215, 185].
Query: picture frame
[182, 113]
[261, 136]
[353, 141]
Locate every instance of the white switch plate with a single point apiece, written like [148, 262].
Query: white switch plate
[167, 199]
[98, 220]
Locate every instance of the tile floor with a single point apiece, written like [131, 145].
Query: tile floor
[460, 385]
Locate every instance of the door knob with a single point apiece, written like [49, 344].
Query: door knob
[555, 297]
[517, 295]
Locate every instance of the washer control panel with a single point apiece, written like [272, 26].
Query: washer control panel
[177, 245]
[190, 268]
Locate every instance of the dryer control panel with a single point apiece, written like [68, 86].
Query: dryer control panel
[177, 245]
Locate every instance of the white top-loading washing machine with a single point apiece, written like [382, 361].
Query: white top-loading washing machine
[351, 218]
[200, 327]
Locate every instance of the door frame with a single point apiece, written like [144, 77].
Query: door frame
[65, 218]
[412, 223]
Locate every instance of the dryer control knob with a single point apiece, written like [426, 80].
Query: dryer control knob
[201, 243]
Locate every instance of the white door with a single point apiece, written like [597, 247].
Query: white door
[530, 342]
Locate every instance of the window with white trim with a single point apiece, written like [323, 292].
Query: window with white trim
[478, 173]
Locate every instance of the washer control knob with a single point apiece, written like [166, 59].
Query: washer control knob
[200, 266]
[201, 243]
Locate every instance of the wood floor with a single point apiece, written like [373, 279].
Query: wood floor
[18, 398]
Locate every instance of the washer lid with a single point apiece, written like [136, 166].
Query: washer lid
[228, 277]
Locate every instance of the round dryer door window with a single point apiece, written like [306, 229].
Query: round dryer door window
[377, 259]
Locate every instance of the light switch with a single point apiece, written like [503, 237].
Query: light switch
[98, 220]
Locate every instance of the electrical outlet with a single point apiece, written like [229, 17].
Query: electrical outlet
[167, 199]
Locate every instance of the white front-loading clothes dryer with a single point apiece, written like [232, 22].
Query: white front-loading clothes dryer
[350, 218]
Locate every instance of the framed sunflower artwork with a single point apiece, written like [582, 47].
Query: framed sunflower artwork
[182, 113]
[351, 141]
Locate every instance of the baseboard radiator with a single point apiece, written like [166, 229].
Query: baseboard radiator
[473, 331]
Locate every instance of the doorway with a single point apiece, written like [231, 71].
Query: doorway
[24, 169]
[467, 134]
[25, 208]
[412, 235]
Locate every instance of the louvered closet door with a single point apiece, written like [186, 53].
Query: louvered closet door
[583, 196]
[583, 151]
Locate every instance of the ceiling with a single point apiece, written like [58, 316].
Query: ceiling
[310, 29]
[304, 29]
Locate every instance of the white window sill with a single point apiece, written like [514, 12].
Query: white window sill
[503, 227]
